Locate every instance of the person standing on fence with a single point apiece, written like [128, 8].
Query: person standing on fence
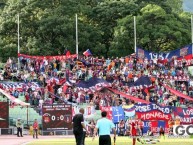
[35, 129]
[78, 126]
[104, 126]
[19, 127]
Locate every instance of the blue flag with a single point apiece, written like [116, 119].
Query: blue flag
[187, 50]
[118, 114]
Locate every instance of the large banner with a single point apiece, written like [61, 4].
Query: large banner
[154, 126]
[92, 85]
[152, 112]
[116, 114]
[57, 117]
[187, 50]
[109, 112]
[89, 111]
[185, 114]
[4, 115]
[178, 93]
[58, 57]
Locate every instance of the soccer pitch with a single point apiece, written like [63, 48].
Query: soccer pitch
[119, 141]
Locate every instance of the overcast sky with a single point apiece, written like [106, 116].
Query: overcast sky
[188, 6]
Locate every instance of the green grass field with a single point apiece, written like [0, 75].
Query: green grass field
[120, 141]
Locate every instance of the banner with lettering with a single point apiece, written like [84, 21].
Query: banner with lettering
[155, 126]
[187, 50]
[185, 114]
[152, 112]
[89, 111]
[109, 112]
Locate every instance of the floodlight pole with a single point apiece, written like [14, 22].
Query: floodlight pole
[135, 40]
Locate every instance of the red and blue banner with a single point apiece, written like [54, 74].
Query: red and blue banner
[114, 113]
[153, 115]
[87, 52]
[178, 93]
[185, 114]
[92, 85]
[154, 126]
[153, 112]
[185, 51]
[144, 108]
[109, 112]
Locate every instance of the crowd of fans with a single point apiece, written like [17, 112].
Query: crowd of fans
[52, 76]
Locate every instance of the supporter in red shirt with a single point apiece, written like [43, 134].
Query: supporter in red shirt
[35, 129]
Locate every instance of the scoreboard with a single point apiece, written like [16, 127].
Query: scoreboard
[57, 117]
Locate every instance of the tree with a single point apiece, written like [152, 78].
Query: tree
[156, 30]
[105, 26]
[105, 16]
[46, 27]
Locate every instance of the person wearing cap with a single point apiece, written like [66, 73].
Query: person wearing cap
[104, 126]
[19, 127]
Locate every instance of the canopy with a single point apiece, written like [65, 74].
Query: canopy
[13, 99]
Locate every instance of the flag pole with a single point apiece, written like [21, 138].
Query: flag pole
[77, 35]
[135, 41]
[18, 43]
[192, 31]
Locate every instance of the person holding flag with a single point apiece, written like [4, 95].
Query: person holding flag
[87, 53]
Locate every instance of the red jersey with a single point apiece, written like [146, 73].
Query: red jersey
[134, 126]
[35, 125]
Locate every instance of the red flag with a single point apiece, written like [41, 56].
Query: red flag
[68, 53]
[129, 96]
[179, 94]
[64, 89]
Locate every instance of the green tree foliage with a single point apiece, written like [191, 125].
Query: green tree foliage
[47, 27]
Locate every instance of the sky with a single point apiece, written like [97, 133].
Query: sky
[188, 5]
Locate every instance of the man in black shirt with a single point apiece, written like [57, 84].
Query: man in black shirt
[78, 125]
